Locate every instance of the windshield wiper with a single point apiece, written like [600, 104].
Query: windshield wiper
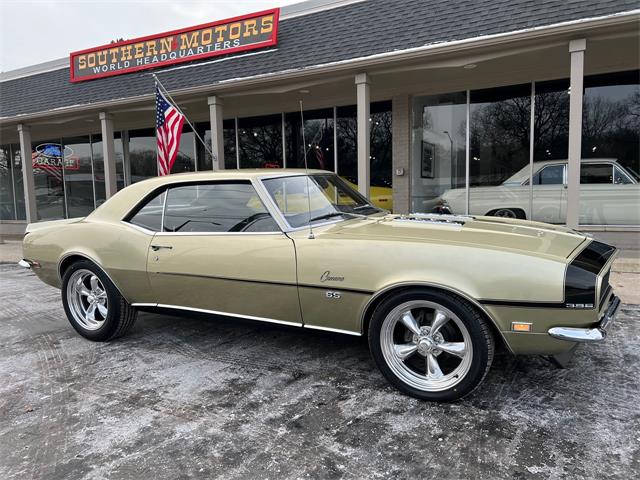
[328, 215]
[362, 207]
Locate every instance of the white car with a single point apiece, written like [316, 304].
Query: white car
[609, 194]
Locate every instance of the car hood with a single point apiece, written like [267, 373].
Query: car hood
[524, 236]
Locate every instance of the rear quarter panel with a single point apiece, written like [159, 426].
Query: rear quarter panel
[119, 249]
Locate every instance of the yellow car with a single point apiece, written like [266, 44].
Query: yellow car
[433, 294]
[380, 195]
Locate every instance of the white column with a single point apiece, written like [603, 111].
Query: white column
[364, 144]
[576, 50]
[108, 155]
[27, 173]
[217, 140]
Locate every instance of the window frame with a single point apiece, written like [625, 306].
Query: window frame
[609, 164]
[550, 165]
[165, 189]
[622, 172]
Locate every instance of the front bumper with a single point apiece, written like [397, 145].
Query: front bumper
[589, 335]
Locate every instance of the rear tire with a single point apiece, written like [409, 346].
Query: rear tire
[508, 213]
[430, 344]
[94, 306]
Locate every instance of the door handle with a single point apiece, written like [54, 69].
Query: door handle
[155, 248]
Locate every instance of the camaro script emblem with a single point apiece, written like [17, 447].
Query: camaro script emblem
[328, 277]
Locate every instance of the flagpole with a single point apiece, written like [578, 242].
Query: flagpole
[156, 130]
[164, 90]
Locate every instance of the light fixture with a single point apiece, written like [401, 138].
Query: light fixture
[520, 327]
[304, 91]
[470, 66]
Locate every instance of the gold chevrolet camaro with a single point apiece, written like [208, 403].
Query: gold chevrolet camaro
[434, 294]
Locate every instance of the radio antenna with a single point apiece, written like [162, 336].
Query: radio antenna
[306, 170]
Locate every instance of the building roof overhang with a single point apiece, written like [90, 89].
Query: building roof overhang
[551, 34]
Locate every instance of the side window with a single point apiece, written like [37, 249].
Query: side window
[150, 215]
[596, 173]
[619, 177]
[549, 175]
[215, 208]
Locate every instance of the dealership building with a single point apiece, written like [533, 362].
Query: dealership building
[511, 108]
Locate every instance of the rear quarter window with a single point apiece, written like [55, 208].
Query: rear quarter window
[149, 216]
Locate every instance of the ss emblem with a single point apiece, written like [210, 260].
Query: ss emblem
[334, 295]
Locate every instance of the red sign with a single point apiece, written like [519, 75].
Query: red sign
[248, 32]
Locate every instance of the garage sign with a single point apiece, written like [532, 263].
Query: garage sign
[248, 32]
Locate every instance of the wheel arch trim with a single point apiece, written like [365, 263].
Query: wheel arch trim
[367, 310]
[86, 256]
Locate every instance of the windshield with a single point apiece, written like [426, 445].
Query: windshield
[316, 198]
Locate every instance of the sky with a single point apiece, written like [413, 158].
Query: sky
[35, 31]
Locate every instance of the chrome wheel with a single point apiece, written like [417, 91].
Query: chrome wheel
[426, 345]
[87, 299]
[505, 213]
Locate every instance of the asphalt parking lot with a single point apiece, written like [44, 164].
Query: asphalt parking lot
[225, 398]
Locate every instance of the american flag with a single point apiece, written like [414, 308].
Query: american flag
[168, 130]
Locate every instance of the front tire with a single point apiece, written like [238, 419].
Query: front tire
[93, 304]
[430, 344]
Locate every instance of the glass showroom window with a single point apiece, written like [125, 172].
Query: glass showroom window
[439, 152]
[229, 136]
[500, 123]
[550, 152]
[318, 132]
[143, 153]
[18, 183]
[381, 150]
[381, 182]
[347, 140]
[186, 158]
[7, 197]
[610, 138]
[98, 165]
[78, 176]
[260, 141]
[48, 176]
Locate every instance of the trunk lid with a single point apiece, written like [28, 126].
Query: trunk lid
[32, 227]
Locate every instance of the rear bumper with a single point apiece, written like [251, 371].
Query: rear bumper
[589, 335]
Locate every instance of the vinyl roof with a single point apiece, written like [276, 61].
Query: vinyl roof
[355, 30]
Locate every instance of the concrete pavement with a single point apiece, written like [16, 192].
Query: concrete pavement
[225, 398]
